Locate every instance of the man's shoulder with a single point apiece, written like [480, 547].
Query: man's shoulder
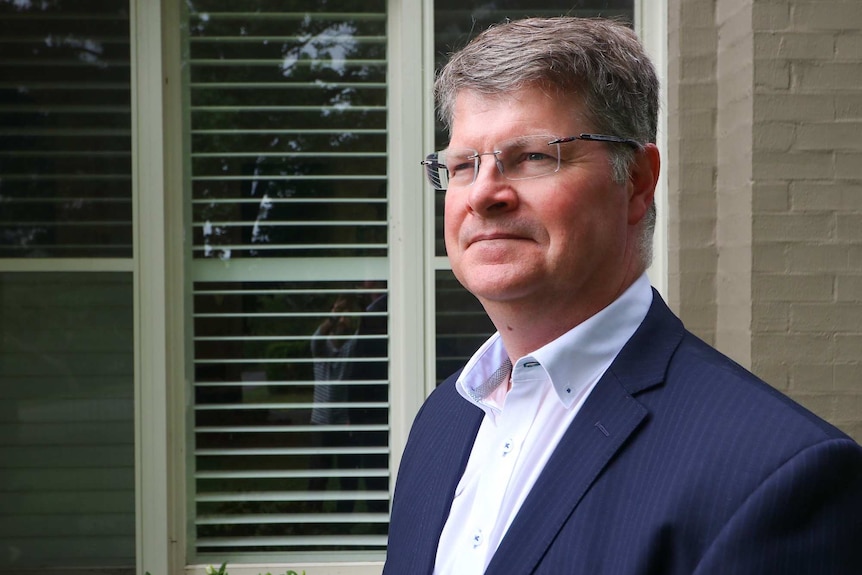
[727, 394]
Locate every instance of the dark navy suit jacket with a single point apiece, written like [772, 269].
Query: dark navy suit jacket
[679, 462]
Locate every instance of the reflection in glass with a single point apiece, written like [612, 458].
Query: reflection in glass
[67, 452]
[288, 130]
[65, 130]
[288, 160]
[291, 416]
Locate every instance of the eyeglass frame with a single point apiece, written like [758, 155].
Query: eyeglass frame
[434, 168]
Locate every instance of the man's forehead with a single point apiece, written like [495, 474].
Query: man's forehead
[543, 112]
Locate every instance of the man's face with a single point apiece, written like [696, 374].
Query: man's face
[566, 240]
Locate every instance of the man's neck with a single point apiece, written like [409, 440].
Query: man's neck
[525, 326]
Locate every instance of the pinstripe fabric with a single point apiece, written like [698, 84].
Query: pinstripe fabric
[680, 462]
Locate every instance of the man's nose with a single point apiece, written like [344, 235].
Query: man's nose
[491, 192]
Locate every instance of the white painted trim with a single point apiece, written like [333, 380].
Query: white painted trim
[152, 433]
[408, 328]
[67, 265]
[651, 26]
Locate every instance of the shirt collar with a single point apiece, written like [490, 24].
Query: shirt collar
[572, 361]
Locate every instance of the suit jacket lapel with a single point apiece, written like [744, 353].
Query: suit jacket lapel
[608, 418]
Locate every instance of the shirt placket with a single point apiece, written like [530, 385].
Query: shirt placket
[512, 425]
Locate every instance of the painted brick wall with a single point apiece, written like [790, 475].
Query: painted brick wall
[691, 163]
[766, 257]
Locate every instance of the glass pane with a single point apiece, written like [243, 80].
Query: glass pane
[288, 128]
[65, 130]
[287, 141]
[291, 417]
[455, 23]
[462, 325]
[67, 452]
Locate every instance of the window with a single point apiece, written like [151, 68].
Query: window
[67, 484]
[289, 277]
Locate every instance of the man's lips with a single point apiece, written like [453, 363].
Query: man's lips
[491, 236]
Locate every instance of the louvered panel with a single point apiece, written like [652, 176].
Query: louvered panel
[288, 162]
[288, 106]
[291, 440]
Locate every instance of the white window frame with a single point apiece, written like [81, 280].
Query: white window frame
[651, 27]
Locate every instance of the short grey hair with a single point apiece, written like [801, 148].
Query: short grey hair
[599, 62]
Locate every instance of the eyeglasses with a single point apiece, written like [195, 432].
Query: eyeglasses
[522, 158]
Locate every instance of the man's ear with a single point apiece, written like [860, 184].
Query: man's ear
[643, 177]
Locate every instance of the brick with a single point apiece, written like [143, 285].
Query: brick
[770, 197]
[774, 136]
[849, 288]
[770, 15]
[824, 15]
[698, 96]
[848, 165]
[809, 165]
[827, 77]
[794, 45]
[848, 406]
[699, 122]
[812, 376]
[771, 75]
[848, 227]
[699, 288]
[826, 195]
[794, 288]
[848, 106]
[698, 68]
[848, 378]
[848, 351]
[792, 227]
[829, 136]
[794, 108]
[693, 259]
[698, 231]
[807, 258]
[848, 46]
[825, 318]
[770, 317]
[697, 16]
[769, 258]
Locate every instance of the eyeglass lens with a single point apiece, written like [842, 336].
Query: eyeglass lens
[517, 159]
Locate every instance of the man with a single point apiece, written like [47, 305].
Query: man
[592, 434]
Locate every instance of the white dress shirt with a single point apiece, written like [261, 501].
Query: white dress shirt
[523, 425]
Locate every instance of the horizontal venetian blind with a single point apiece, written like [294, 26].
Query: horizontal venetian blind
[288, 203]
[288, 131]
[65, 130]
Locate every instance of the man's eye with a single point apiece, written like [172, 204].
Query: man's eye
[536, 157]
[459, 168]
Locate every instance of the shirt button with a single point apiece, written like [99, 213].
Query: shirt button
[477, 538]
[507, 446]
